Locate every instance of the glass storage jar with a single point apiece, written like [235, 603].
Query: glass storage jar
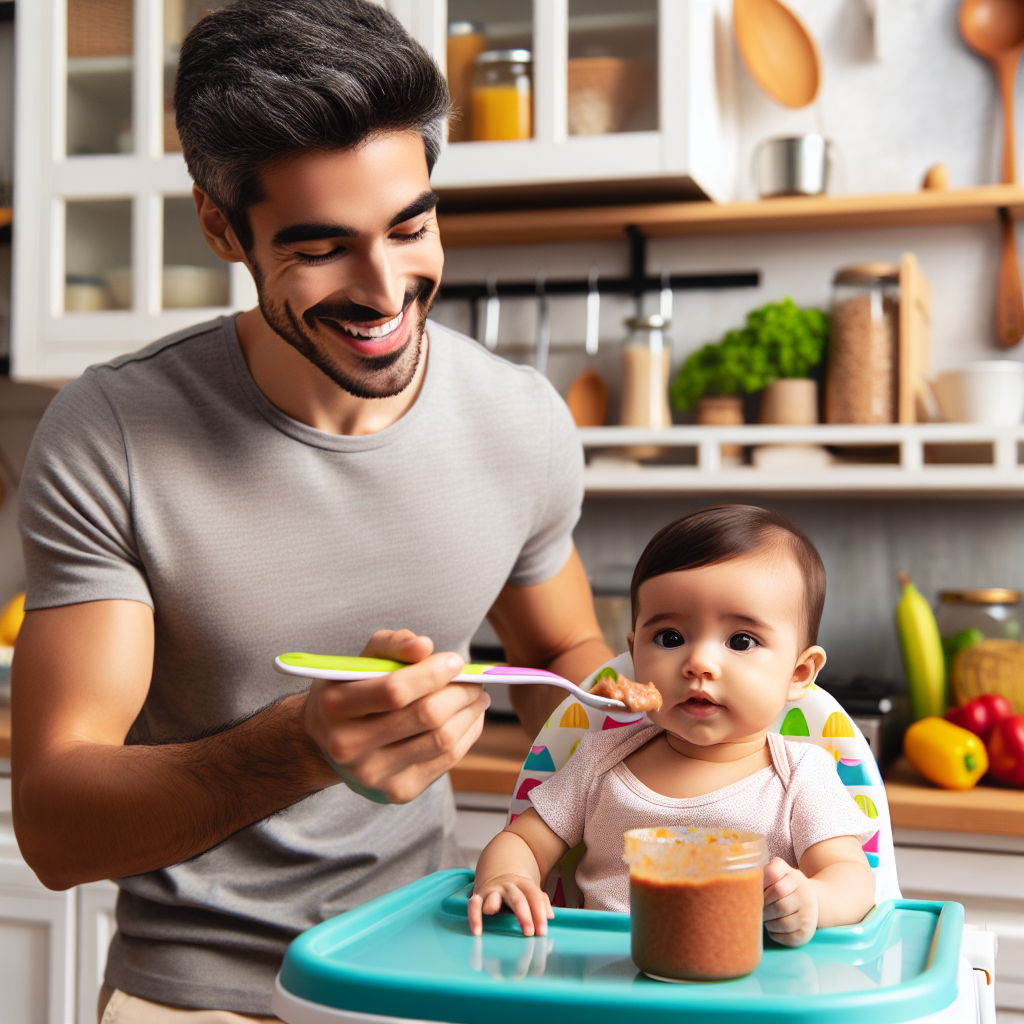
[646, 361]
[994, 610]
[696, 900]
[860, 386]
[503, 95]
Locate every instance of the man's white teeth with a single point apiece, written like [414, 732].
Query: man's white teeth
[381, 331]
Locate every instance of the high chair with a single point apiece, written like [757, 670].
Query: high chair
[408, 957]
[816, 717]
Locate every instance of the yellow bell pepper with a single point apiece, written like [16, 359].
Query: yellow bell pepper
[944, 753]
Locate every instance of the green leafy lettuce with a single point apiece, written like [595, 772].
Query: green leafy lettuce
[779, 340]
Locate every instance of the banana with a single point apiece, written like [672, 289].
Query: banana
[922, 651]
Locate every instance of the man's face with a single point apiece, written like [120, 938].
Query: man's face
[347, 258]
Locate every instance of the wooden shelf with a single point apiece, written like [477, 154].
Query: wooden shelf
[914, 472]
[791, 213]
[916, 803]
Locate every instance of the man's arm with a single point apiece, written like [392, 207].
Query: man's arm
[551, 625]
[88, 807]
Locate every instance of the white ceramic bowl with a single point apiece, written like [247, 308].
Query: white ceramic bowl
[990, 392]
[184, 287]
[188, 287]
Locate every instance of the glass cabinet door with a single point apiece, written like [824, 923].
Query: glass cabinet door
[193, 275]
[613, 66]
[179, 18]
[97, 255]
[490, 69]
[99, 99]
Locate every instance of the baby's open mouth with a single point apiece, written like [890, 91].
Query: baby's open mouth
[700, 704]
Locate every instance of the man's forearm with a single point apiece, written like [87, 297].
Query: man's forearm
[95, 810]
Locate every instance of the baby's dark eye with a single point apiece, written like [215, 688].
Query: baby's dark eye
[669, 638]
[741, 642]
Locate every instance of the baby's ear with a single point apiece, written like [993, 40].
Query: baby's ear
[808, 665]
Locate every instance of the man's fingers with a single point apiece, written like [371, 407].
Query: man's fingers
[392, 692]
[398, 645]
[401, 771]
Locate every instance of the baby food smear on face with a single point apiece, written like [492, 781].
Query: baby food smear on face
[636, 696]
[696, 902]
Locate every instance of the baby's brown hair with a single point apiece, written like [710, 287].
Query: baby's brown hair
[720, 532]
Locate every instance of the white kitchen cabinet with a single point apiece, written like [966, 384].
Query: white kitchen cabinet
[107, 249]
[682, 144]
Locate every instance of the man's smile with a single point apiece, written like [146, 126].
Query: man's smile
[376, 339]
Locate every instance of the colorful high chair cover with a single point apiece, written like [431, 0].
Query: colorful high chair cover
[816, 718]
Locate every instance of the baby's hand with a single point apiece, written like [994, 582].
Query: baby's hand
[526, 899]
[790, 904]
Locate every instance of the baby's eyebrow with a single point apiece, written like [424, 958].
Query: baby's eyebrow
[758, 623]
[661, 617]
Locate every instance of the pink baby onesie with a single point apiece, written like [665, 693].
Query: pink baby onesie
[796, 802]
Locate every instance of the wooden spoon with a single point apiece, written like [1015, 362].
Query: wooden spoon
[994, 29]
[778, 50]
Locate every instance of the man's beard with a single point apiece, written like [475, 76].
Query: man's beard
[378, 376]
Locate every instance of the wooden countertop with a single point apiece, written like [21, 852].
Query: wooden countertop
[492, 766]
[916, 803]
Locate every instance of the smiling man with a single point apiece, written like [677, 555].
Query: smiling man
[328, 472]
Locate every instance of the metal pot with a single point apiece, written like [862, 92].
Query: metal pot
[797, 165]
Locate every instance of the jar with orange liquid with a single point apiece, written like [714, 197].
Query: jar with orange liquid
[503, 95]
[466, 41]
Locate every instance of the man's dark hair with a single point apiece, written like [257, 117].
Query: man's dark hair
[259, 80]
[720, 532]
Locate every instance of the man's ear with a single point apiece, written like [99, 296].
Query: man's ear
[219, 234]
[808, 665]
[629, 640]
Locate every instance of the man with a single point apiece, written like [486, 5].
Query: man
[291, 479]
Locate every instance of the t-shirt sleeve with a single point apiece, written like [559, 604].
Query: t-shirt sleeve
[74, 507]
[562, 800]
[549, 545]
[822, 806]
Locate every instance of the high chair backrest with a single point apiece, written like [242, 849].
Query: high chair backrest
[816, 718]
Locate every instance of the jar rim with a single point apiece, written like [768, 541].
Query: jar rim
[464, 28]
[981, 595]
[686, 851]
[504, 56]
[653, 321]
[867, 273]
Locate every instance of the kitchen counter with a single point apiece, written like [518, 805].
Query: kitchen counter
[916, 803]
[493, 764]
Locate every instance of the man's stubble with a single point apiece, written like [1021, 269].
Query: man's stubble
[379, 376]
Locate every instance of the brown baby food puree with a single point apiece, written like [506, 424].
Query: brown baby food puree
[696, 902]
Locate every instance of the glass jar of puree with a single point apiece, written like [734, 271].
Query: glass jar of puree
[696, 901]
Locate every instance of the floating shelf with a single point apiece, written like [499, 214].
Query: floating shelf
[918, 470]
[791, 213]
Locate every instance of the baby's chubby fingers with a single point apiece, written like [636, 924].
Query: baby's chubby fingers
[780, 880]
[521, 895]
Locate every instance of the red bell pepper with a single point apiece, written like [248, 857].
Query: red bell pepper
[982, 714]
[1006, 751]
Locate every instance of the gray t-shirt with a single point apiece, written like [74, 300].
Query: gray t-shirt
[167, 477]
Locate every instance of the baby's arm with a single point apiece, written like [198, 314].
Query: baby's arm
[511, 869]
[833, 886]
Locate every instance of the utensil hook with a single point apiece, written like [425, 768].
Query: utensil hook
[665, 298]
[543, 328]
[492, 311]
[593, 314]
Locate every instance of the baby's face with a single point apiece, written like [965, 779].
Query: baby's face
[723, 644]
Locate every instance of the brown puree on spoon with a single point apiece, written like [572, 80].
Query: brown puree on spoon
[636, 696]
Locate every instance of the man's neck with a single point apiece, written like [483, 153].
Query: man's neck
[299, 389]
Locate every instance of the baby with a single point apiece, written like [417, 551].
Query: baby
[726, 606]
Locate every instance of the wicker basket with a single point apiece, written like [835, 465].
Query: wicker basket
[990, 666]
[99, 28]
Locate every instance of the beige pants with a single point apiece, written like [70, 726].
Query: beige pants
[117, 1007]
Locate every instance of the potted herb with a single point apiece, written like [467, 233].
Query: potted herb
[774, 352]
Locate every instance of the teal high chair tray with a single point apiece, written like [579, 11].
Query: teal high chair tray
[410, 955]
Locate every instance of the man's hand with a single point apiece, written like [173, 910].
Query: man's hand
[790, 904]
[391, 737]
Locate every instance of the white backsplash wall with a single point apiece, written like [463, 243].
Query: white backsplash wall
[929, 99]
